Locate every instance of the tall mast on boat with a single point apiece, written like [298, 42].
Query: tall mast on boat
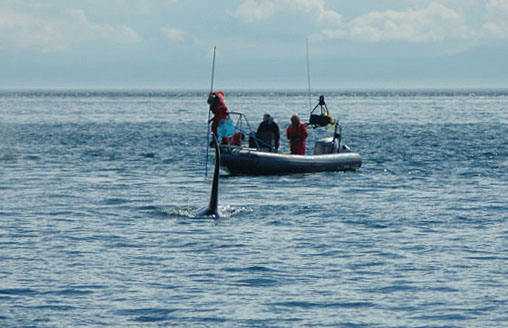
[308, 71]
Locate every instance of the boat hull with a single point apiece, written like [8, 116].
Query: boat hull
[247, 161]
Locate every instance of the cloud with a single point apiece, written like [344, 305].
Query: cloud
[496, 30]
[174, 34]
[497, 26]
[144, 7]
[71, 27]
[330, 17]
[316, 6]
[432, 23]
[87, 30]
[24, 30]
[255, 10]
[252, 10]
[501, 5]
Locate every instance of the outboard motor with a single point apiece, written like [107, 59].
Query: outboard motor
[326, 146]
[330, 145]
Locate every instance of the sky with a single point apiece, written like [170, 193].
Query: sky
[260, 44]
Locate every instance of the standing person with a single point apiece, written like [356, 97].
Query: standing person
[219, 109]
[297, 133]
[269, 133]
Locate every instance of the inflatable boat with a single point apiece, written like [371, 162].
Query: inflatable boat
[250, 161]
[261, 158]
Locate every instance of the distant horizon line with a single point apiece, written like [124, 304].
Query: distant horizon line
[253, 89]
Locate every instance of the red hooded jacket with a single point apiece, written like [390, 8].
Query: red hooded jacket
[219, 110]
[297, 135]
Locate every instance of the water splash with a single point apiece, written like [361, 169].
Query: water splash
[189, 212]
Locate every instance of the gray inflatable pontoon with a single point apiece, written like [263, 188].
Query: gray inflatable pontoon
[250, 161]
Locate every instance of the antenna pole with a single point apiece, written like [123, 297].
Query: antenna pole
[213, 69]
[308, 71]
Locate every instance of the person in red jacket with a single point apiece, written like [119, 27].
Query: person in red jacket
[297, 133]
[219, 109]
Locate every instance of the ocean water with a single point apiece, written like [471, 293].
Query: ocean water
[98, 190]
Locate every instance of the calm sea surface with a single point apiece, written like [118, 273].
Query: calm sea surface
[98, 190]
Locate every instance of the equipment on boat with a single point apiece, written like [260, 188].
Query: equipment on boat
[324, 118]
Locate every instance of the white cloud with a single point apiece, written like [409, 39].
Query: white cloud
[330, 17]
[256, 10]
[497, 25]
[23, 30]
[174, 34]
[305, 5]
[333, 34]
[501, 5]
[144, 7]
[316, 6]
[103, 32]
[432, 23]
[252, 10]
[495, 30]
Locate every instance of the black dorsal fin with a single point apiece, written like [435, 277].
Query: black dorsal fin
[214, 197]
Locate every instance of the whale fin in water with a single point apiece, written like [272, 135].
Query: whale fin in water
[213, 207]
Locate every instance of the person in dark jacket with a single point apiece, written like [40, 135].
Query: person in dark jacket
[268, 133]
[218, 108]
[297, 133]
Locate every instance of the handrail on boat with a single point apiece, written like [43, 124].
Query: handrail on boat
[250, 134]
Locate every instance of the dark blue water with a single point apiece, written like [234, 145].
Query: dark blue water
[98, 190]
